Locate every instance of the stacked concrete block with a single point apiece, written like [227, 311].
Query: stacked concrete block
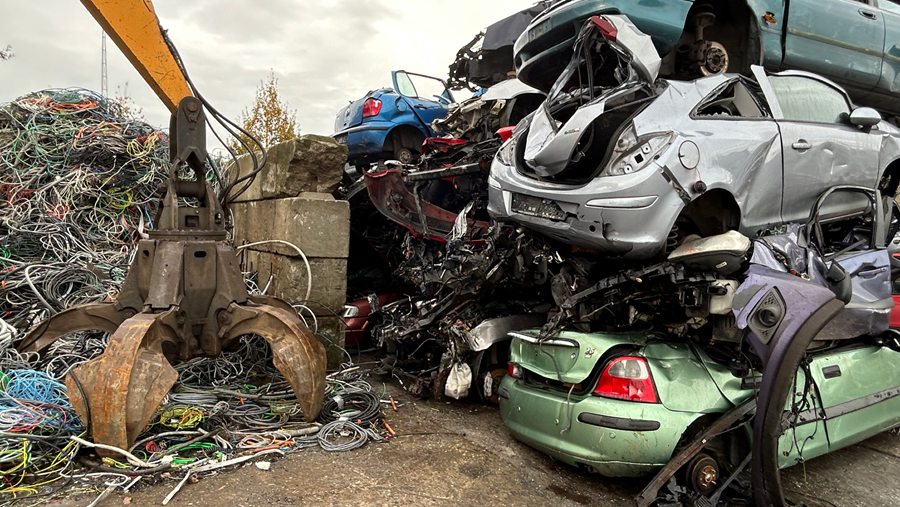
[291, 201]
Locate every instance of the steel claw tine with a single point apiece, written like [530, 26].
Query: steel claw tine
[295, 351]
[91, 317]
[120, 391]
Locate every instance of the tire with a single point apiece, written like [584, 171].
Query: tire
[405, 155]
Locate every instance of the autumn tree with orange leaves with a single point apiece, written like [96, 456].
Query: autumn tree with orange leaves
[270, 120]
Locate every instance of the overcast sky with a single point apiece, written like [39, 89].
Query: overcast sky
[324, 53]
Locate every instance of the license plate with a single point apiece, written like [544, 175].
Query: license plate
[537, 207]
[539, 30]
[341, 139]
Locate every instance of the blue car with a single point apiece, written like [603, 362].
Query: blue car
[392, 123]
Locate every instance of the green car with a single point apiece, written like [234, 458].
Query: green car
[620, 404]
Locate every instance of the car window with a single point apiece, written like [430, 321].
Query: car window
[889, 5]
[405, 85]
[805, 99]
[736, 100]
[422, 87]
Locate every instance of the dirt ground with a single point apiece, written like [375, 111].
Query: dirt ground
[469, 459]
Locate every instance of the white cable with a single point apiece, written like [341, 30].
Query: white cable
[134, 460]
[295, 247]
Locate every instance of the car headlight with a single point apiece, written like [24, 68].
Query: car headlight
[507, 152]
[633, 153]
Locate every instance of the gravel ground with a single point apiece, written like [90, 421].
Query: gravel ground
[468, 458]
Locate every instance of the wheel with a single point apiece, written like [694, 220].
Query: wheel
[702, 474]
[404, 155]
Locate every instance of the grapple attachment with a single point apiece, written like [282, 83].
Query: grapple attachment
[184, 297]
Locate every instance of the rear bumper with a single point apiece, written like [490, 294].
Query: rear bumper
[628, 216]
[365, 143]
[616, 438]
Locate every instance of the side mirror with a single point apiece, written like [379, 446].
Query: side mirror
[865, 117]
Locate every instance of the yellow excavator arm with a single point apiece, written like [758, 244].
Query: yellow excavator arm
[134, 27]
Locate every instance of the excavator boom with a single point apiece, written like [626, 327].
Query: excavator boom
[135, 29]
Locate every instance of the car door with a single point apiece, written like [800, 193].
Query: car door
[890, 68]
[841, 39]
[415, 88]
[820, 148]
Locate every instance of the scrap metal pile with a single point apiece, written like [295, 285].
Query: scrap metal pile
[80, 185]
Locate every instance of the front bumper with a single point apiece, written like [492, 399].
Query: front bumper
[628, 216]
[616, 438]
[365, 143]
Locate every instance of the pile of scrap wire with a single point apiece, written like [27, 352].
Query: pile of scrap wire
[77, 187]
[222, 412]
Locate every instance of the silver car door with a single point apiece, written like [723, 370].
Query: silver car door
[820, 148]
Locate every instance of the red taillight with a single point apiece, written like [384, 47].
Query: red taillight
[606, 28]
[515, 371]
[371, 107]
[627, 378]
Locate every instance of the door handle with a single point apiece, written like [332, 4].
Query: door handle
[871, 272]
[801, 145]
[420, 106]
[868, 14]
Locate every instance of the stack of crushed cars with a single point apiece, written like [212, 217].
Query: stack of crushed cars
[644, 256]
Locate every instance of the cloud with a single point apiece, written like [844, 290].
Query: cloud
[324, 53]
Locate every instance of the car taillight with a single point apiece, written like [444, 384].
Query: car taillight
[371, 107]
[627, 378]
[515, 371]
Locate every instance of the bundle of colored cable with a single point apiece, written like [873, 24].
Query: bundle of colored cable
[78, 183]
[36, 421]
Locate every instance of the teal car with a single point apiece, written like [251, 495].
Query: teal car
[855, 43]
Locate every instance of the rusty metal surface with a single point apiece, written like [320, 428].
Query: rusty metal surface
[119, 391]
[295, 351]
[98, 316]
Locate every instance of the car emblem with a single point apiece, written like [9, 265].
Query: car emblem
[589, 352]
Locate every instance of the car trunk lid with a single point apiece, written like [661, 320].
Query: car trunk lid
[622, 59]
[568, 357]
[351, 114]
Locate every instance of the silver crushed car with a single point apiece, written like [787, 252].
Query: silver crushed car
[620, 162]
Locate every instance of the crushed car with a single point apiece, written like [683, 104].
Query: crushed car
[802, 337]
[628, 165]
[705, 38]
[487, 59]
[391, 123]
[451, 175]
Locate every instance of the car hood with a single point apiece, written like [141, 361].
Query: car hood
[550, 142]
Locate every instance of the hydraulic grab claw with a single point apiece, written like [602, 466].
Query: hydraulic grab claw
[184, 297]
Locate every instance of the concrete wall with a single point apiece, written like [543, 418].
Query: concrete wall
[290, 200]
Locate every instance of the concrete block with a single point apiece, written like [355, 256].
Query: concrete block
[329, 279]
[309, 163]
[317, 223]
